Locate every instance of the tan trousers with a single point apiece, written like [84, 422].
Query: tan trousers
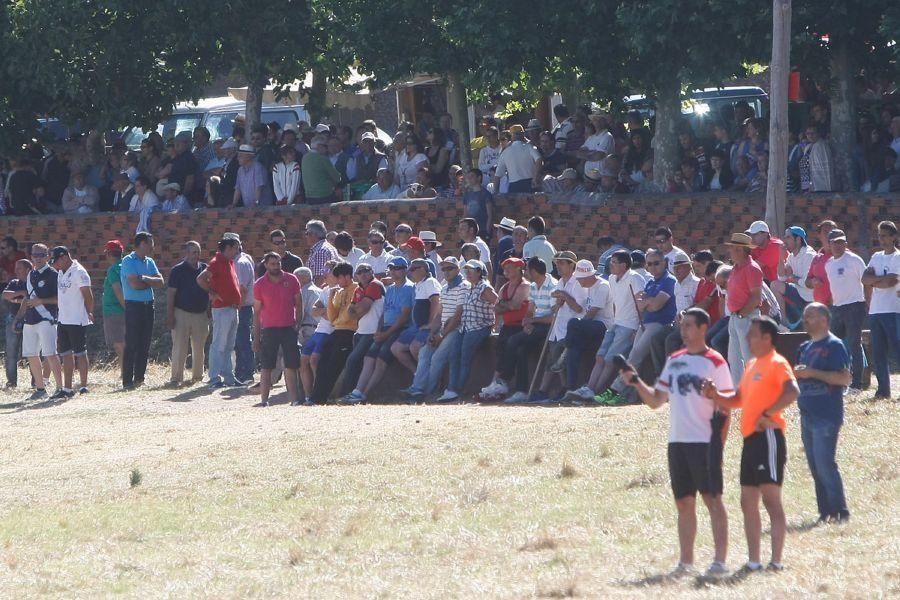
[191, 331]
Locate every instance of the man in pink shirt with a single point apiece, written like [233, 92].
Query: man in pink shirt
[767, 251]
[278, 306]
[817, 278]
[744, 297]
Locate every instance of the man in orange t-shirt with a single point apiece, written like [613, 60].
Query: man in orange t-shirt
[768, 386]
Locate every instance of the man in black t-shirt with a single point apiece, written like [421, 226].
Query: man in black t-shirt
[187, 316]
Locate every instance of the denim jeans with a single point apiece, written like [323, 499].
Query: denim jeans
[717, 336]
[138, 335]
[820, 437]
[432, 362]
[643, 342]
[361, 344]
[463, 356]
[738, 346]
[225, 322]
[885, 328]
[13, 349]
[580, 335]
[847, 324]
[244, 358]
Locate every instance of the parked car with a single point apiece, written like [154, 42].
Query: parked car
[217, 115]
[704, 107]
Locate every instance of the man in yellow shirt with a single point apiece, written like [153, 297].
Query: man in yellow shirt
[767, 387]
[339, 344]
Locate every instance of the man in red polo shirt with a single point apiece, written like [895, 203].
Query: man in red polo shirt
[277, 304]
[767, 252]
[220, 280]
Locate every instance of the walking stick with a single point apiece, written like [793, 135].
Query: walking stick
[537, 369]
[634, 299]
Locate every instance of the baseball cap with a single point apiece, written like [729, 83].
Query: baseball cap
[57, 252]
[419, 262]
[367, 136]
[834, 236]
[450, 260]
[681, 258]
[584, 268]
[758, 227]
[398, 262]
[231, 236]
[566, 255]
[114, 246]
[517, 129]
[474, 264]
[533, 125]
[569, 173]
[322, 128]
[414, 242]
[247, 149]
[796, 231]
[172, 186]
[513, 261]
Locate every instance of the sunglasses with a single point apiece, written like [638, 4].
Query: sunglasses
[39, 254]
[653, 263]
[396, 268]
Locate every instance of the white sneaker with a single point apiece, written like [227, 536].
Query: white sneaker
[716, 569]
[490, 389]
[585, 392]
[448, 396]
[517, 398]
[681, 570]
[500, 389]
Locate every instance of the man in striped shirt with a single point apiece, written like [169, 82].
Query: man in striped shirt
[535, 328]
[436, 353]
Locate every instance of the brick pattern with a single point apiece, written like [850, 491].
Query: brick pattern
[699, 221]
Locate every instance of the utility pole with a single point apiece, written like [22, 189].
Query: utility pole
[776, 191]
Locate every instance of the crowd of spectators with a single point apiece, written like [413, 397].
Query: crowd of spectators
[586, 152]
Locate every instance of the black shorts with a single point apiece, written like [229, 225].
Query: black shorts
[274, 339]
[70, 339]
[695, 467]
[382, 350]
[763, 458]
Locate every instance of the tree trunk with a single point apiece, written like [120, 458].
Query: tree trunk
[315, 99]
[843, 110]
[458, 108]
[776, 191]
[665, 140]
[253, 107]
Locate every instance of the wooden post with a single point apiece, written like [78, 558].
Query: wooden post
[776, 191]
[458, 108]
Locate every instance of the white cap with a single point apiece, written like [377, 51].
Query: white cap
[322, 128]
[758, 227]
[247, 148]
[367, 136]
[229, 144]
[584, 268]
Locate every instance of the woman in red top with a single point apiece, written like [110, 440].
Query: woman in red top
[512, 307]
[817, 278]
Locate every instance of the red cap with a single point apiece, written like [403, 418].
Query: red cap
[414, 243]
[113, 246]
[513, 261]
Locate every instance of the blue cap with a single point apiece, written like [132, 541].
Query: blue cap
[796, 231]
[398, 262]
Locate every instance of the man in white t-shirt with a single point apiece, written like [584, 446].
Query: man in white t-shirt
[665, 243]
[75, 302]
[845, 272]
[468, 231]
[376, 257]
[521, 162]
[883, 274]
[570, 299]
[790, 287]
[686, 284]
[599, 145]
[590, 329]
[697, 431]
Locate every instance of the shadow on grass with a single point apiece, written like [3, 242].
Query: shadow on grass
[189, 395]
[803, 526]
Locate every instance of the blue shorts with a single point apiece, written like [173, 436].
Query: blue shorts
[382, 350]
[407, 336]
[618, 340]
[315, 344]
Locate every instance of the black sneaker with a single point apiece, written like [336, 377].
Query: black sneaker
[83, 390]
[70, 393]
[59, 394]
[261, 404]
[309, 402]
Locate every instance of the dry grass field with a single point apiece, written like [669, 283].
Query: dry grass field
[163, 493]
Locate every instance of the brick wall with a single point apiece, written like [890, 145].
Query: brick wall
[699, 221]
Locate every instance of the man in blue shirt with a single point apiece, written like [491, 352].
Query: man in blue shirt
[139, 278]
[657, 306]
[823, 371]
[398, 304]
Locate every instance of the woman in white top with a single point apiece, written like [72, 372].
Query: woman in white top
[599, 145]
[408, 162]
[286, 177]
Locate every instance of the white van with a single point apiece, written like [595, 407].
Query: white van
[217, 115]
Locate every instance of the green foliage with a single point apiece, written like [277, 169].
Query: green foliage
[135, 478]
